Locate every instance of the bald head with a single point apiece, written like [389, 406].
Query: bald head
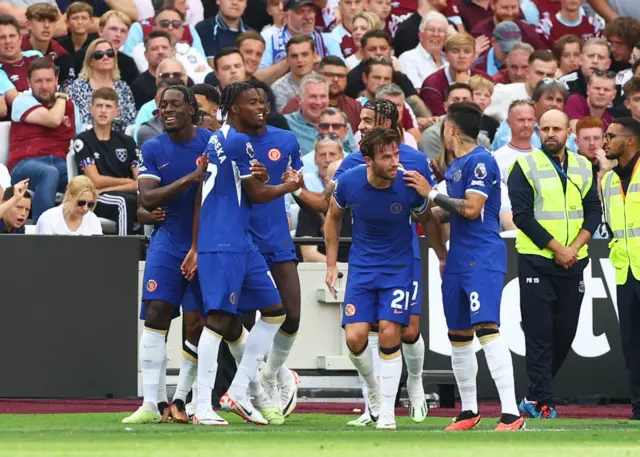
[171, 68]
[555, 116]
[554, 131]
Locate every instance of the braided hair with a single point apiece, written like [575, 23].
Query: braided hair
[188, 99]
[230, 95]
[385, 110]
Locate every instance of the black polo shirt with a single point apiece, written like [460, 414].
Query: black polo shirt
[4, 229]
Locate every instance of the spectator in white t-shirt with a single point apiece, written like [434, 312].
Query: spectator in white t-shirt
[5, 179]
[195, 63]
[75, 215]
[522, 121]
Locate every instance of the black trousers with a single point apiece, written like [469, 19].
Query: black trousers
[550, 308]
[119, 207]
[629, 316]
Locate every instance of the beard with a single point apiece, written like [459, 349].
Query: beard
[45, 99]
[554, 148]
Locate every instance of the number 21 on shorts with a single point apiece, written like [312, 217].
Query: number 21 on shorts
[400, 299]
[474, 301]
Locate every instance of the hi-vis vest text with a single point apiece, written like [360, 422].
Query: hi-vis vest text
[559, 212]
[622, 213]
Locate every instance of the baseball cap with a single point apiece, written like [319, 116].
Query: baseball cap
[507, 34]
[296, 4]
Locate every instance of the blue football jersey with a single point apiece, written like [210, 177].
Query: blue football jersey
[410, 159]
[382, 228]
[278, 150]
[476, 244]
[224, 214]
[167, 162]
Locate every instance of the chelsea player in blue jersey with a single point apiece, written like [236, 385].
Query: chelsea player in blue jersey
[475, 267]
[234, 276]
[379, 285]
[269, 228]
[383, 113]
[169, 178]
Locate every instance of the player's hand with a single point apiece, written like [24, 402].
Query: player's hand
[197, 175]
[417, 182]
[158, 215]
[190, 265]
[332, 277]
[294, 177]
[566, 257]
[20, 188]
[259, 171]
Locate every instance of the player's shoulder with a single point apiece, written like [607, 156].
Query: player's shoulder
[155, 144]
[282, 136]
[203, 134]
[354, 174]
[352, 160]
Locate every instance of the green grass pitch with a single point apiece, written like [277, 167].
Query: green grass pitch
[312, 435]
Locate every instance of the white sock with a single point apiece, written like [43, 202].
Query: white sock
[208, 349]
[364, 364]
[501, 367]
[414, 358]
[375, 357]
[188, 372]
[162, 386]
[237, 347]
[258, 341]
[278, 354]
[390, 372]
[465, 370]
[153, 354]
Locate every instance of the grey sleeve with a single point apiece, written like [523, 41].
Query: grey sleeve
[430, 141]
[145, 133]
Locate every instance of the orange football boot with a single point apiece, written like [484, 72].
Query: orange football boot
[466, 420]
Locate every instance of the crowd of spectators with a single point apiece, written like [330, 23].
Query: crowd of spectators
[79, 83]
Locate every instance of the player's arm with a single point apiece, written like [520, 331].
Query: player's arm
[149, 218]
[315, 201]
[332, 227]
[432, 227]
[259, 192]
[152, 195]
[190, 263]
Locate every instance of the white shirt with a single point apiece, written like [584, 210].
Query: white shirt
[506, 156]
[418, 64]
[188, 56]
[195, 13]
[52, 222]
[503, 95]
[5, 177]
[352, 62]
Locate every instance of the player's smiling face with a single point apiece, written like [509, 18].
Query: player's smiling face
[368, 121]
[250, 109]
[174, 111]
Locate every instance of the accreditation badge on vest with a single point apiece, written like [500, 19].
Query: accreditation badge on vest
[121, 154]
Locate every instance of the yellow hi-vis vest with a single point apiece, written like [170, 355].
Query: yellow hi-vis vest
[622, 213]
[560, 213]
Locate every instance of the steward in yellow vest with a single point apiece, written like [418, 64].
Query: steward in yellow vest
[621, 202]
[556, 208]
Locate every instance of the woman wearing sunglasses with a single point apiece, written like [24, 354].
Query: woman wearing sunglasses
[75, 215]
[100, 69]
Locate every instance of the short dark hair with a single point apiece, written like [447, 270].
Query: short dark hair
[79, 7]
[42, 63]
[377, 139]
[169, 8]
[559, 45]
[374, 34]
[456, 86]
[299, 39]
[631, 87]
[42, 11]
[545, 87]
[9, 191]
[331, 60]
[208, 91]
[106, 93]
[384, 110]
[5, 19]
[157, 34]
[545, 56]
[189, 99]
[224, 52]
[369, 63]
[630, 125]
[248, 35]
[467, 117]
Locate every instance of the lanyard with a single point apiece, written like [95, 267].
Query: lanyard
[562, 172]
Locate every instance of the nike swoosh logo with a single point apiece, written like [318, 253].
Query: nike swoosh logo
[162, 166]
